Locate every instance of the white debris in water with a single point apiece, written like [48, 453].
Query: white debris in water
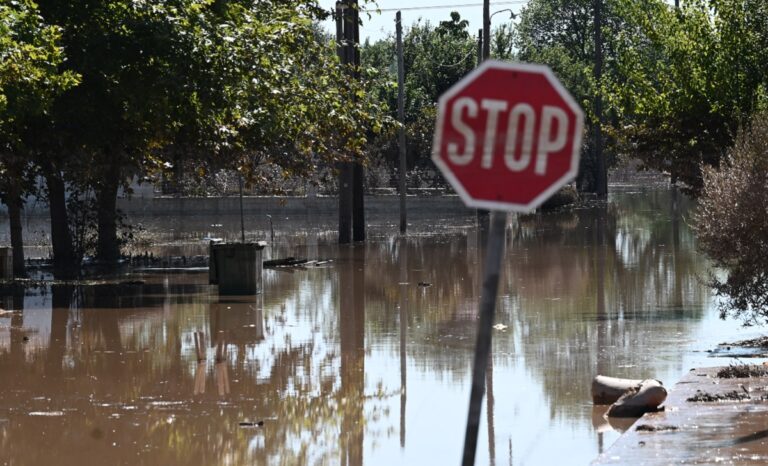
[47, 413]
[166, 403]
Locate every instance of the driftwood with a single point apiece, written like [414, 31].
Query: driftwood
[289, 262]
[286, 262]
[629, 398]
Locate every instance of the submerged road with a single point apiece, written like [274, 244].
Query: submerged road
[726, 424]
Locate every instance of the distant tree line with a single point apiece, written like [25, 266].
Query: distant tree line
[94, 94]
[677, 82]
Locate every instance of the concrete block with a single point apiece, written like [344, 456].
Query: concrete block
[236, 267]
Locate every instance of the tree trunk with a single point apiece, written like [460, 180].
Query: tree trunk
[108, 246]
[65, 266]
[17, 242]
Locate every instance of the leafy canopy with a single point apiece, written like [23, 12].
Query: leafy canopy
[688, 79]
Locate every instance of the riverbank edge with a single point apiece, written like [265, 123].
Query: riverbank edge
[699, 432]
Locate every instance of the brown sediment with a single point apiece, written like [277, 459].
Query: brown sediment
[759, 342]
[655, 428]
[733, 395]
[741, 371]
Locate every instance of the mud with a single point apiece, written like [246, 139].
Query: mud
[759, 342]
[657, 428]
[738, 371]
[733, 395]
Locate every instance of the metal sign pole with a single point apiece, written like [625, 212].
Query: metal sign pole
[485, 326]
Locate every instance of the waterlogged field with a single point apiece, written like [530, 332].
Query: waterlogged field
[365, 359]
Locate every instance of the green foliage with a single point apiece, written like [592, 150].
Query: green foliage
[435, 58]
[30, 80]
[687, 79]
[223, 82]
[560, 34]
[30, 54]
[732, 224]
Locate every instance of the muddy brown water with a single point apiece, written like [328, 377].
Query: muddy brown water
[354, 362]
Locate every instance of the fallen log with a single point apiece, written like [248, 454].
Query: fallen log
[286, 262]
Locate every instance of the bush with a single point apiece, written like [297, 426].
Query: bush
[732, 224]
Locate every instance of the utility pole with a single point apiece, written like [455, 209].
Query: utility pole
[352, 32]
[601, 177]
[345, 168]
[482, 54]
[486, 29]
[479, 46]
[401, 118]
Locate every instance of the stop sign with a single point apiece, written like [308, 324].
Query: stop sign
[508, 136]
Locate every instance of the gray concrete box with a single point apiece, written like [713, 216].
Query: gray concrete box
[236, 267]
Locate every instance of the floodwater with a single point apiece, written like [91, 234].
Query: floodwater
[365, 360]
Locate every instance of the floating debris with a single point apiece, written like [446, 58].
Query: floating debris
[500, 327]
[286, 262]
[47, 413]
[251, 424]
[166, 403]
[424, 284]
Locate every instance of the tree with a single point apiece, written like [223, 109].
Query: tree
[435, 58]
[212, 83]
[732, 225]
[30, 56]
[560, 34]
[688, 79]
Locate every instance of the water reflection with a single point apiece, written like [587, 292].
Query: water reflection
[365, 360]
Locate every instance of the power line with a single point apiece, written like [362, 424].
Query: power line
[445, 7]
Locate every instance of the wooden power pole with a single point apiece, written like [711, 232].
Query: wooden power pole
[483, 53]
[486, 29]
[345, 168]
[352, 33]
[602, 177]
[401, 118]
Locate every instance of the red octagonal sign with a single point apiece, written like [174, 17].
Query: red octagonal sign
[508, 136]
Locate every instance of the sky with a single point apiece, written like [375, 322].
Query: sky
[378, 26]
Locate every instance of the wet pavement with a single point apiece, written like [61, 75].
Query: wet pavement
[365, 359]
[729, 428]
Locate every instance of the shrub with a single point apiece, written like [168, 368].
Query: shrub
[732, 224]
